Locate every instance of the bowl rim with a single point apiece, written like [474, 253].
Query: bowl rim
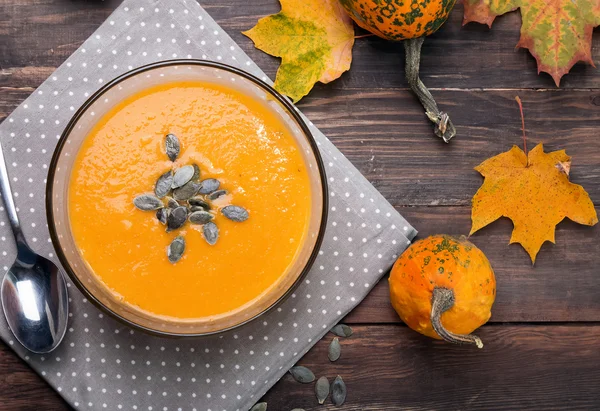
[291, 109]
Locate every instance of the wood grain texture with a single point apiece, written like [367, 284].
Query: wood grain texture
[542, 344]
[386, 136]
[23, 390]
[564, 284]
[520, 367]
[392, 368]
[43, 33]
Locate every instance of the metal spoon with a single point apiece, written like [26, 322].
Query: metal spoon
[34, 292]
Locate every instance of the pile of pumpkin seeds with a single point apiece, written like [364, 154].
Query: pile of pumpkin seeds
[180, 196]
[323, 389]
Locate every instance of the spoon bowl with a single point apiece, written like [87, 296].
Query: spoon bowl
[34, 292]
[35, 301]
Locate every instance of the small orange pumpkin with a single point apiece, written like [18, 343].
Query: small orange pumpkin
[444, 288]
[399, 19]
[412, 21]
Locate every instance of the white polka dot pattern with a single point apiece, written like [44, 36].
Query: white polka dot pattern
[105, 365]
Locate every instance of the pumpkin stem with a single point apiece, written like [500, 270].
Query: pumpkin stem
[442, 301]
[443, 126]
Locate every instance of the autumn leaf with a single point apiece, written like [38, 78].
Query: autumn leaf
[557, 32]
[534, 192]
[314, 39]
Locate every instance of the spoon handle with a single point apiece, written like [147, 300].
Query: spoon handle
[8, 200]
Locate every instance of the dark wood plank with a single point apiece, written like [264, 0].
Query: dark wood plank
[386, 136]
[23, 390]
[521, 367]
[37, 36]
[376, 122]
[563, 286]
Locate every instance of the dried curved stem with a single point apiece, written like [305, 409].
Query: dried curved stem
[443, 126]
[442, 301]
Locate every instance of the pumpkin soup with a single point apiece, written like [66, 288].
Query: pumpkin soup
[225, 189]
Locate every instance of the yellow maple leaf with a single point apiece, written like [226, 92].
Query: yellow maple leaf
[314, 39]
[534, 192]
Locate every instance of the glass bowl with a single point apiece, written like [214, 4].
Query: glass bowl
[93, 110]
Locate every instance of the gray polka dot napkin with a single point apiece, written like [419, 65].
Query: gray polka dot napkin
[104, 365]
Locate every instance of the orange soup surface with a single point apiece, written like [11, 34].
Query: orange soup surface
[231, 137]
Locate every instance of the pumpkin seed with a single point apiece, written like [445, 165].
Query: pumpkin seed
[176, 249]
[335, 350]
[163, 184]
[322, 389]
[199, 202]
[209, 185]
[186, 192]
[171, 202]
[172, 146]
[147, 202]
[342, 330]
[302, 374]
[182, 176]
[200, 217]
[338, 391]
[261, 406]
[235, 213]
[196, 176]
[162, 214]
[298, 409]
[211, 232]
[176, 218]
[216, 194]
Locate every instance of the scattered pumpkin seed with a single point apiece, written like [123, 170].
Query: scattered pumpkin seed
[162, 214]
[199, 202]
[261, 406]
[163, 184]
[171, 202]
[182, 176]
[172, 146]
[216, 194]
[342, 330]
[186, 192]
[209, 185]
[176, 218]
[322, 389]
[196, 176]
[335, 350]
[147, 202]
[176, 249]
[338, 391]
[200, 217]
[302, 374]
[211, 232]
[235, 213]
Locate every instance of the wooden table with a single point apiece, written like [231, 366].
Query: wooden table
[543, 341]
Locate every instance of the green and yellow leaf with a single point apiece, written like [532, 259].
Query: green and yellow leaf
[314, 39]
[558, 33]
